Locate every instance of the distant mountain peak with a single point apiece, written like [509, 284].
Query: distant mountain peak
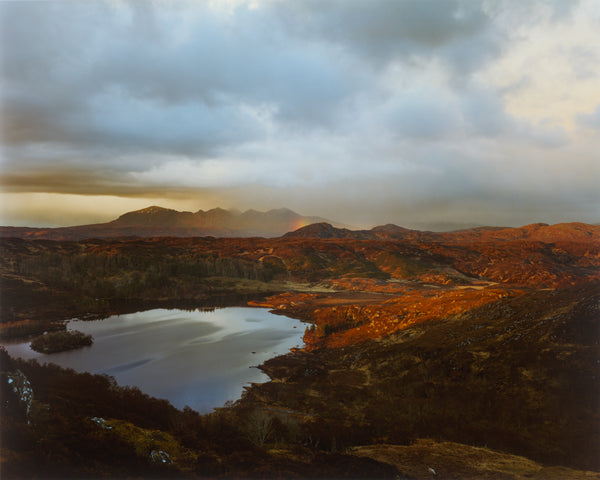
[322, 230]
[390, 227]
[152, 210]
[148, 214]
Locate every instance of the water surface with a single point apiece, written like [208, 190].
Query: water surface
[196, 358]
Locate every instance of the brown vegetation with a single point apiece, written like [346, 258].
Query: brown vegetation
[486, 337]
[26, 328]
[427, 459]
[518, 374]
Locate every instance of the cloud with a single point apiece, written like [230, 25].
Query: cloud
[195, 81]
[138, 84]
[368, 104]
[421, 113]
[388, 31]
[591, 120]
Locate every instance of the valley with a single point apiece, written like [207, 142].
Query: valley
[481, 343]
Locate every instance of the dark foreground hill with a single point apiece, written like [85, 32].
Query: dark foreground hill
[518, 374]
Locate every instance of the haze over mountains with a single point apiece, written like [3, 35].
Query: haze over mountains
[158, 222]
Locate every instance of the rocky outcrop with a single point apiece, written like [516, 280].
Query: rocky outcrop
[22, 388]
[160, 457]
[101, 423]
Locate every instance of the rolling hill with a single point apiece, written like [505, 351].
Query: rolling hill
[471, 353]
[541, 232]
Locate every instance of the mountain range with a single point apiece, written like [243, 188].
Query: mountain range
[163, 222]
[159, 222]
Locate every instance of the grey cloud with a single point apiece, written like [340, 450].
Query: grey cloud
[456, 32]
[583, 60]
[247, 59]
[473, 111]
[591, 120]
[191, 127]
[422, 113]
[138, 84]
[449, 199]
[485, 112]
[533, 11]
[485, 116]
[25, 121]
[130, 82]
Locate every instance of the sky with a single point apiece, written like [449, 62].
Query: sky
[430, 114]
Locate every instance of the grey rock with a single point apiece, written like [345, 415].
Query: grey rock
[160, 457]
[22, 387]
[101, 423]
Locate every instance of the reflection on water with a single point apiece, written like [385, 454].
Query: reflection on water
[195, 358]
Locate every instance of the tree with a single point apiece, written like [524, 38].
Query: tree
[259, 427]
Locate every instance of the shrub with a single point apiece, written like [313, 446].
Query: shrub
[61, 341]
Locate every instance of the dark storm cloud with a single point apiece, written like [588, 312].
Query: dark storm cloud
[459, 34]
[93, 76]
[106, 94]
[195, 82]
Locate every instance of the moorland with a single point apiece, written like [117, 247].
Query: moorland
[468, 354]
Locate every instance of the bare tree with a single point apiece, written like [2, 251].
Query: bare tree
[259, 427]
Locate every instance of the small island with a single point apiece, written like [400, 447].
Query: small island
[54, 342]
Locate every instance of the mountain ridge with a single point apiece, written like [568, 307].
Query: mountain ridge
[155, 221]
[573, 231]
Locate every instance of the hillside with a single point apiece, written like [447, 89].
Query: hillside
[516, 373]
[562, 232]
[474, 351]
[85, 273]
